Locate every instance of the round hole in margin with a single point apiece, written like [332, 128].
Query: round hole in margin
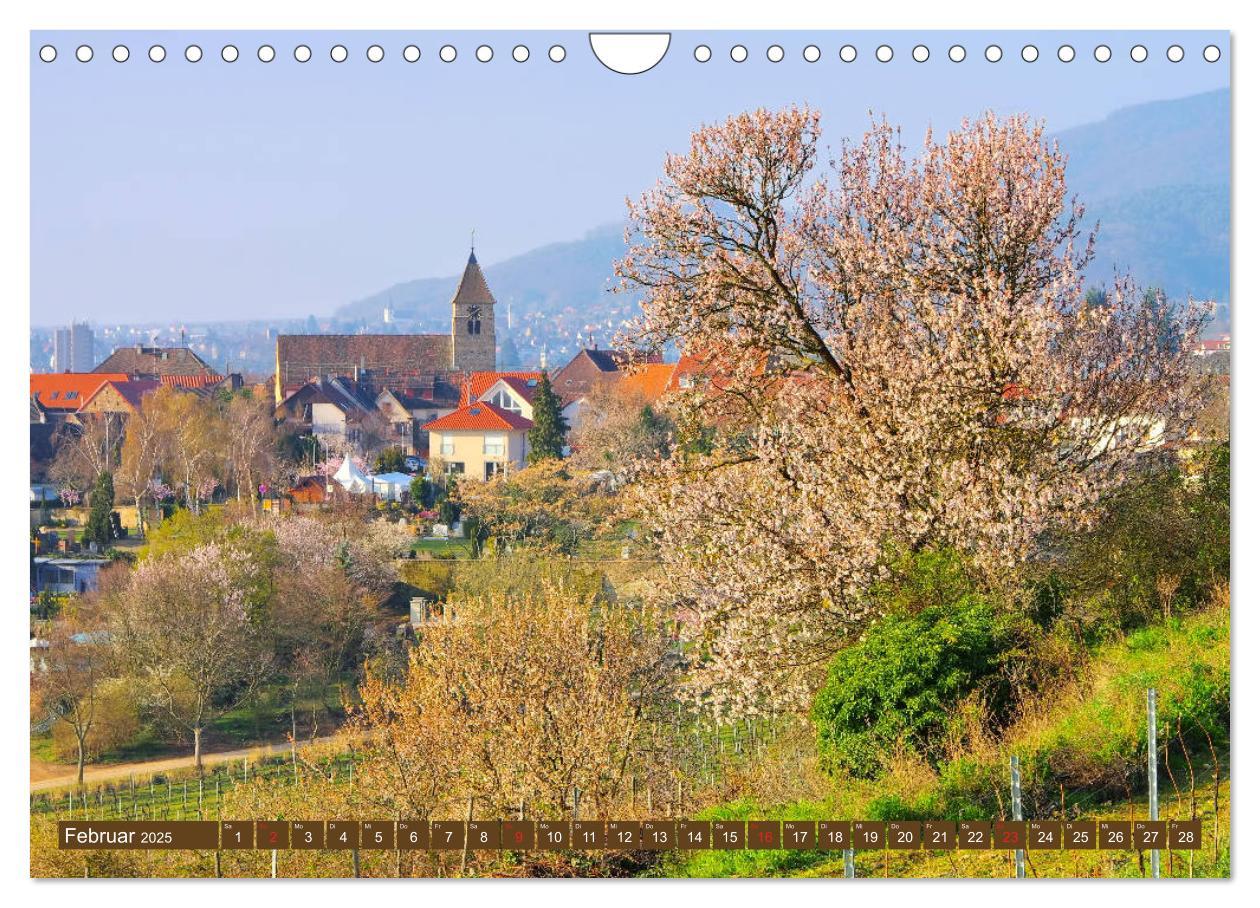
[739, 53]
[1211, 53]
[157, 53]
[774, 53]
[1176, 54]
[47, 53]
[958, 53]
[1030, 53]
[266, 53]
[229, 53]
[375, 53]
[556, 53]
[520, 53]
[192, 53]
[1137, 53]
[121, 54]
[485, 53]
[411, 53]
[702, 53]
[1102, 53]
[302, 53]
[339, 54]
[1067, 53]
[811, 53]
[447, 53]
[883, 53]
[848, 53]
[993, 53]
[920, 53]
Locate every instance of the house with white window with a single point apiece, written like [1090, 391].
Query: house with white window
[479, 440]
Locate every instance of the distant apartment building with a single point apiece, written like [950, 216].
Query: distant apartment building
[73, 348]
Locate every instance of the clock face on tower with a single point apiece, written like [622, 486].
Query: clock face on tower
[474, 319]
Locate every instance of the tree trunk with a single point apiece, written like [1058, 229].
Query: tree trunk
[197, 750]
[82, 754]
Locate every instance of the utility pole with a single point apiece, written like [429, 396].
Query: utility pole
[1152, 769]
[1017, 814]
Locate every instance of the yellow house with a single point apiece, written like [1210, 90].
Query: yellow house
[480, 440]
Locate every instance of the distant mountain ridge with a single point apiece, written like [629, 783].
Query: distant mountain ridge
[1155, 175]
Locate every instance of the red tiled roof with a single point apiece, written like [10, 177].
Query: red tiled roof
[649, 380]
[479, 383]
[67, 391]
[479, 416]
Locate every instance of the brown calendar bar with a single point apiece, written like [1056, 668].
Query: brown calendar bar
[634, 835]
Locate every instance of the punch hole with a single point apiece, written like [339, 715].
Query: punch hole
[47, 53]
[625, 53]
[556, 53]
[1138, 53]
[811, 53]
[848, 53]
[447, 53]
[192, 53]
[774, 53]
[485, 53]
[883, 53]
[920, 53]
[83, 53]
[266, 53]
[1211, 53]
[1030, 53]
[1176, 54]
[520, 53]
[702, 54]
[157, 53]
[739, 53]
[958, 53]
[1102, 53]
[302, 53]
[993, 53]
[411, 53]
[229, 53]
[339, 54]
[121, 54]
[375, 53]
[1067, 53]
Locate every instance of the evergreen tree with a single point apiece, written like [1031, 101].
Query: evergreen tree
[546, 438]
[98, 528]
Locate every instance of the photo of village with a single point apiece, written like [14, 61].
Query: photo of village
[857, 474]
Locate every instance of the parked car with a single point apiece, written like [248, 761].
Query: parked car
[413, 464]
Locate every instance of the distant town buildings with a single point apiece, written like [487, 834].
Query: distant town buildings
[74, 348]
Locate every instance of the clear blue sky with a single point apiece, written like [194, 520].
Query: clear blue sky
[216, 191]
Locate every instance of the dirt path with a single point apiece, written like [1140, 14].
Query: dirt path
[45, 776]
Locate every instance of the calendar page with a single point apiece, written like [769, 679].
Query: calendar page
[629, 454]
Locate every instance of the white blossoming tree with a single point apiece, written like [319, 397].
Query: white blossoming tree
[896, 350]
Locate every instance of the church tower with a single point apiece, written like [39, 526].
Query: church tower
[472, 321]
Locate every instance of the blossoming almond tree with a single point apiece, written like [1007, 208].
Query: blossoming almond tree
[895, 350]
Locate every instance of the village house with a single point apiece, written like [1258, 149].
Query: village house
[479, 440]
[120, 397]
[590, 367]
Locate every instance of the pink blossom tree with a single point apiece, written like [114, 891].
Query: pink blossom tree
[897, 351]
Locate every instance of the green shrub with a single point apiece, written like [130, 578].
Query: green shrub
[900, 684]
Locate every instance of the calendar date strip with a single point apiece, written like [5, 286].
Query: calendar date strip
[638, 835]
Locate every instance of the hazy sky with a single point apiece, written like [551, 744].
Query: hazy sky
[214, 190]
